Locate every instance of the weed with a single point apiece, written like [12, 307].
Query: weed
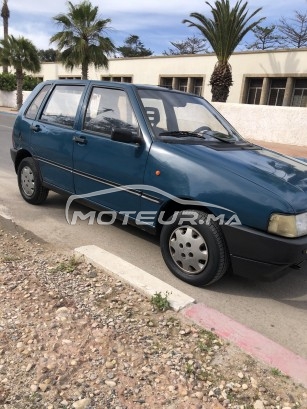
[202, 346]
[276, 372]
[8, 259]
[202, 375]
[67, 266]
[189, 369]
[160, 302]
[207, 343]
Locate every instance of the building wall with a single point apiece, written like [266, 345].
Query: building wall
[149, 70]
[261, 122]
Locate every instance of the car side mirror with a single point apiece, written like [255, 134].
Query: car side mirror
[125, 136]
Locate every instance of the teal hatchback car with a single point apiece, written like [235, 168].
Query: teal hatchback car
[169, 163]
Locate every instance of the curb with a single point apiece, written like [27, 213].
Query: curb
[251, 342]
[133, 275]
[8, 112]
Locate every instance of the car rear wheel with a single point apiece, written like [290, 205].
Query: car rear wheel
[193, 248]
[29, 182]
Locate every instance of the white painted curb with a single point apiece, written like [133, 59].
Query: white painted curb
[133, 275]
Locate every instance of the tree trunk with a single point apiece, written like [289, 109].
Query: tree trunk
[5, 13]
[19, 80]
[85, 70]
[5, 68]
[221, 81]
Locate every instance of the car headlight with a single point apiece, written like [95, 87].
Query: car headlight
[288, 225]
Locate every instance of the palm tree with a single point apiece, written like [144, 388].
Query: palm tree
[5, 14]
[224, 31]
[81, 41]
[21, 54]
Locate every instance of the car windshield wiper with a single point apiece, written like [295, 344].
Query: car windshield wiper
[178, 134]
[220, 136]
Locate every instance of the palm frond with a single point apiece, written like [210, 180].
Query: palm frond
[226, 28]
[82, 30]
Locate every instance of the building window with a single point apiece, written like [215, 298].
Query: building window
[254, 90]
[70, 78]
[197, 86]
[299, 98]
[117, 79]
[193, 85]
[277, 91]
[183, 84]
[166, 82]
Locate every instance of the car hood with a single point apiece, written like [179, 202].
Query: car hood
[269, 168]
[280, 175]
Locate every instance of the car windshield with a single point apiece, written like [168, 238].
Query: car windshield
[178, 114]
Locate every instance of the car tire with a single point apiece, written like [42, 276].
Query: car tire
[29, 182]
[193, 248]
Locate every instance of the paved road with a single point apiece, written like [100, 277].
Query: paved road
[277, 310]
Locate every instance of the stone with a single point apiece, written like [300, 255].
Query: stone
[259, 404]
[82, 403]
[112, 384]
[254, 383]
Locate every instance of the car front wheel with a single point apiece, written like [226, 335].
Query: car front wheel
[29, 182]
[194, 248]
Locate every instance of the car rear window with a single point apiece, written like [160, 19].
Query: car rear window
[35, 104]
[62, 105]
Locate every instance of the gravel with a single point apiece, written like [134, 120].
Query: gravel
[71, 336]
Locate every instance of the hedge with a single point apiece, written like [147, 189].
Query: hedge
[8, 82]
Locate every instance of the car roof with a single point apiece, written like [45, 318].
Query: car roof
[112, 84]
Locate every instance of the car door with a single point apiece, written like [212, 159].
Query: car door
[52, 135]
[102, 166]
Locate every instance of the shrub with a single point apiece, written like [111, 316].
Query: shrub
[7, 82]
[30, 82]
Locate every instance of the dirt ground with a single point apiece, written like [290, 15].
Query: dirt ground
[73, 337]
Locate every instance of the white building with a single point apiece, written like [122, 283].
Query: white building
[275, 77]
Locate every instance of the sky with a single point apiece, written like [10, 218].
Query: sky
[157, 23]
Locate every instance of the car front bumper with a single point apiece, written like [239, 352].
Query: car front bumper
[256, 254]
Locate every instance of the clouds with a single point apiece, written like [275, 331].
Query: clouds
[110, 6]
[156, 22]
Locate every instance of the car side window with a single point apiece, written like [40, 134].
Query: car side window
[62, 105]
[35, 104]
[108, 109]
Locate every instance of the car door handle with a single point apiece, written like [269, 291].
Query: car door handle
[35, 128]
[80, 139]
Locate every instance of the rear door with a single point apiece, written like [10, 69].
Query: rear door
[52, 135]
[101, 164]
